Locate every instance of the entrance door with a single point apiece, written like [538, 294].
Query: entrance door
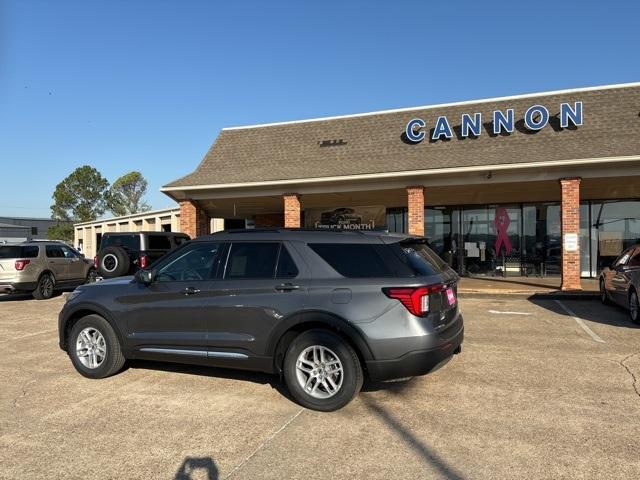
[490, 240]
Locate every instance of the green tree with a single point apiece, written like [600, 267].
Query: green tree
[61, 231]
[80, 197]
[125, 195]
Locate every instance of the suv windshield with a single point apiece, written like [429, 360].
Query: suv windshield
[358, 260]
[18, 251]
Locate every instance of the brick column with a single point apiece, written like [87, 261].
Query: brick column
[193, 220]
[415, 215]
[291, 210]
[570, 215]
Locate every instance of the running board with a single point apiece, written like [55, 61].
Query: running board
[196, 353]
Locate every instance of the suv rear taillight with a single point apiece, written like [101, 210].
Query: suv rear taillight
[96, 262]
[20, 264]
[143, 261]
[415, 299]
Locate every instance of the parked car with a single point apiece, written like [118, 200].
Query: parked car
[42, 267]
[620, 282]
[123, 253]
[323, 309]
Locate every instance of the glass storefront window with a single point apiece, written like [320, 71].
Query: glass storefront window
[542, 240]
[617, 227]
[397, 220]
[467, 237]
[441, 228]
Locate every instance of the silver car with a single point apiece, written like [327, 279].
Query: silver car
[41, 267]
[620, 282]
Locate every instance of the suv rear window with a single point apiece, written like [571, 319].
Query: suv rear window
[126, 241]
[159, 242]
[358, 260]
[17, 251]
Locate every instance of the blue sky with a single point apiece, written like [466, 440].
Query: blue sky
[147, 85]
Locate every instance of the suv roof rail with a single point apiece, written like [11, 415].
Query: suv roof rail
[302, 229]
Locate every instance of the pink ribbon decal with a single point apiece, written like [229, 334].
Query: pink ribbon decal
[502, 222]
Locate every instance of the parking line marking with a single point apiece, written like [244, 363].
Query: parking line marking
[29, 335]
[580, 322]
[498, 312]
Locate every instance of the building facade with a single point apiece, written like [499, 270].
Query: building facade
[543, 184]
[29, 228]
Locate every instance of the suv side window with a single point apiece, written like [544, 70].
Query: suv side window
[158, 242]
[286, 267]
[252, 260]
[198, 261]
[54, 251]
[180, 239]
[68, 252]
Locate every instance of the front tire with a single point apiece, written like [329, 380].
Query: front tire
[44, 290]
[634, 307]
[322, 371]
[94, 348]
[604, 298]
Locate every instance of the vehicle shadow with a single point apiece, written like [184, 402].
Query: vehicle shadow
[591, 310]
[15, 297]
[397, 387]
[197, 467]
[19, 297]
[427, 454]
[206, 371]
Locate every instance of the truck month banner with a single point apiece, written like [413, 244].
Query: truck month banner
[351, 218]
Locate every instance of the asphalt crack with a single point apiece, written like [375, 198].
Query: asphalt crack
[633, 376]
[264, 444]
[23, 393]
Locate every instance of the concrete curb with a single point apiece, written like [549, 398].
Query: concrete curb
[539, 295]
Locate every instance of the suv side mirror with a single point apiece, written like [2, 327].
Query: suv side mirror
[146, 276]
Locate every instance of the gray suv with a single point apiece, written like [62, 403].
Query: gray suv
[324, 309]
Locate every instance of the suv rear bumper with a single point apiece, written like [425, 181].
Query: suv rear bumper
[18, 287]
[415, 363]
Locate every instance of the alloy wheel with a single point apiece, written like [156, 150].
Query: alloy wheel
[46, 286]
[319, 372]
[633, 306]
[91, 348]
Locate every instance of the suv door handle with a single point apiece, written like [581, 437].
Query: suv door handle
[190, 291]
[287, 287]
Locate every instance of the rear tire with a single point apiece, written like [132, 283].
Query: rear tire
[604, 297]
[91, 276]
[634, 307]
[114, 262]
[94, 348]
[311, 371]
[46, 285]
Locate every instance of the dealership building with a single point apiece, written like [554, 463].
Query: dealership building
[545, 184]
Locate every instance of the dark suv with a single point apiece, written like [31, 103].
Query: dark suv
[321, 308]
[123, 253]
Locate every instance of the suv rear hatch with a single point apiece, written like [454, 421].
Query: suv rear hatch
[15, 259]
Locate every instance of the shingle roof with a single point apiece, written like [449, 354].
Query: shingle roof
[372, 143]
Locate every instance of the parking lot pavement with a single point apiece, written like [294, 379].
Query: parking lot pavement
[533, 395]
